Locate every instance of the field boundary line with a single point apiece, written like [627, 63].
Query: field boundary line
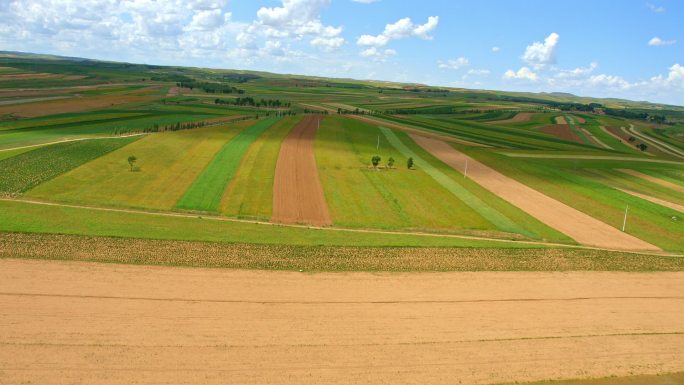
[74, 140]
[339, 229]
[658, 201]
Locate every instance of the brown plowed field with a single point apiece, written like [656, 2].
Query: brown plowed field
[87, 323]
[579, 226]
[297, 192]
[518, 118]
[562, 131]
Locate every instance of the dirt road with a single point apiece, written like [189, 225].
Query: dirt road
[574, 223]
[72, 323]
[297, 191]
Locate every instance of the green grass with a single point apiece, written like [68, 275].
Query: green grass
[206, 191]
[25, 171]
[17, 216]
[10, 153]
[359, 196]
[580, 189]
[502, 222]
[250, 194]
[168, 164]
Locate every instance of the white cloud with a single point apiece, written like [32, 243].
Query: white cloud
[674, 79]
[539, 54]
[403, 28]
[365, 1]
[297, 19]
[327, 44]
[655, 8]
[475, 72]
[656, 41]
[523, 73]
[577, 72]
[496, 49]
[454, 64]
[378, 54]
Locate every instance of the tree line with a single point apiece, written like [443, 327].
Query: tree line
[250, 101]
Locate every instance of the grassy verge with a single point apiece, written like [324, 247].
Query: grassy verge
[24, 171]
[321, 258]
[206, 191]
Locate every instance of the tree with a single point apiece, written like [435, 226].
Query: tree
[390, 162]
[409, 163]
[131, 160]
[642, 147]
[375, 160]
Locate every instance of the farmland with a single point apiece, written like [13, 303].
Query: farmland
[483, 231]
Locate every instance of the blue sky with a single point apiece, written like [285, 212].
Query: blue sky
[625, 49]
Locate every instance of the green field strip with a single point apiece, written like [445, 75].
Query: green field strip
[27, 170]
[593, 196]
[639, 185]
[206, 191]
[250, 193]
[25, 217]
[492, 215]
[168, 163]
[589, 157]
[10, 153]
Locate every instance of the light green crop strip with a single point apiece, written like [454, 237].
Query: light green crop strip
[475, 203]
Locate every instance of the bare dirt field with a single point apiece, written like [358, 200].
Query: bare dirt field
[562, 131]
[297, 191]
[653, 179]
[518, 118]
[574, 223]
[84, 323]
[175, 91]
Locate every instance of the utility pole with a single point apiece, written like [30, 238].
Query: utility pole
[624, 221]
[465, 171]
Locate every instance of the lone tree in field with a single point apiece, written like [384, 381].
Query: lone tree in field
[375, 160]
[131, 160]
[409, 163]
[390, 162]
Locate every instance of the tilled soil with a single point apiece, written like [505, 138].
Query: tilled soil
[297, 192]
[85, 323]
[579, 226]
[562, 131]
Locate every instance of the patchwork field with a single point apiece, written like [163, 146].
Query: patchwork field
[446, 235]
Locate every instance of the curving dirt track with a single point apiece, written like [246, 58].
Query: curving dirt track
[579, 226]
[297, 191]
[84, 323]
